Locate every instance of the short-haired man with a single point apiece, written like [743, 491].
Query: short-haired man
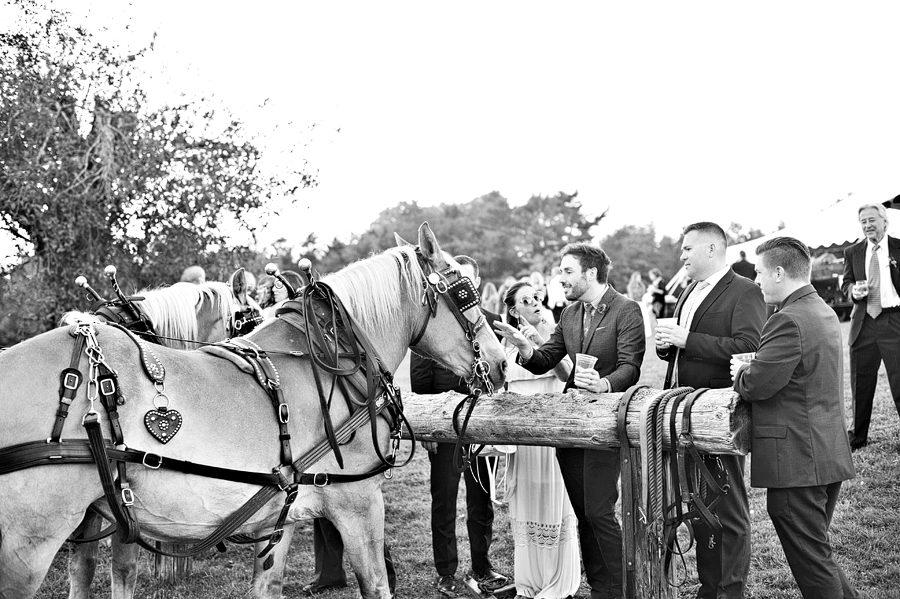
[800, 452]
[718, 315]
[744, 267]
[193, 274]
[872, 281]
[605, 324]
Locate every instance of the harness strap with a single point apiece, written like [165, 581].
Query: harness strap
[628, 535]
[692, 492]
[70, 380]
[120, 503]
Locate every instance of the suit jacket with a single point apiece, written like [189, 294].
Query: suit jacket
[796, 384]
[615, 338]
[728, 321]
[855, 270]
[427, 376]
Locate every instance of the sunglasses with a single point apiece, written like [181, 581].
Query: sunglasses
[531, 300]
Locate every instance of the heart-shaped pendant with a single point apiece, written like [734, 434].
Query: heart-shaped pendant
[163, 423]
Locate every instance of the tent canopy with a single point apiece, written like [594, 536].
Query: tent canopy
[835, 225]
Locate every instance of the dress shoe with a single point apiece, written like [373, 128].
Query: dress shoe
[488, 580]
[449, 586]
[312, 589]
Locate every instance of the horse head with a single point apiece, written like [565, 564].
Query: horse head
[453, 330]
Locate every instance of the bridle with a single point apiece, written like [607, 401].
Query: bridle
[460, 295]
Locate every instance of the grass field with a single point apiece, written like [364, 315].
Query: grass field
[865, 533]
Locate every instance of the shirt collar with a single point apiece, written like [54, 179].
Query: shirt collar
[596, 301]
[717, 276]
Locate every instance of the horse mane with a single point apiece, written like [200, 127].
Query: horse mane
[173, 310]
[371, 287]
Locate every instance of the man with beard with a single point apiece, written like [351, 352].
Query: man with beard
[607, 325]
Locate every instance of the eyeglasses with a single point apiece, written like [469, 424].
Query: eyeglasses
[531, 300]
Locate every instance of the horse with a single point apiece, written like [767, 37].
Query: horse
[182, 316]
[398, 299]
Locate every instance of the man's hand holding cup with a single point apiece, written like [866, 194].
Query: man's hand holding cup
[860, 290]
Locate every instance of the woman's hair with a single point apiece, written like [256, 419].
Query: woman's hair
[510, 300]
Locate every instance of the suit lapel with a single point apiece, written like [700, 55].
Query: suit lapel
[894, 253]
[681, 298]
[712, 296]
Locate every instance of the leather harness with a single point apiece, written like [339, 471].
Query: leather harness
[333, 339]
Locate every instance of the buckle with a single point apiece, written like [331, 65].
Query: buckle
[146, 464]
[71, 381]
[316, 479]
[107, 387]
[127, 496]
[284, 413]
[276, 536]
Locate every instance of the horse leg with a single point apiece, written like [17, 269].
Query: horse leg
[268, 584]
[25, 560]
[359, 516]
[83, 557]
[123, 570]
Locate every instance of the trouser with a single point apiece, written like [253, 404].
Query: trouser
[802, 517]
[591, 478]
[723, 558]
[479, 516]
[329, 553]
[878, 339]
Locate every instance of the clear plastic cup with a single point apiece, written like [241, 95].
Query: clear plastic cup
[744, 358]
[585, 361]
[861, 287]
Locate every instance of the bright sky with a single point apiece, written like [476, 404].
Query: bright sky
[663, 112]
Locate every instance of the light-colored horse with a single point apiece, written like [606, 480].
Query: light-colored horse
[180, 315]
[227, 422]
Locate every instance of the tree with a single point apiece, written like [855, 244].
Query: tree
[90, 176]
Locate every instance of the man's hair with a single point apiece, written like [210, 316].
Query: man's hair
[882, 211]
[710, 229]
[655, 272]
[463, 259]
[743, 254]
[790, 254]
[589, 257]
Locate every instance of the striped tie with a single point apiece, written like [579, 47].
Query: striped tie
[873, 302]
[586, 325]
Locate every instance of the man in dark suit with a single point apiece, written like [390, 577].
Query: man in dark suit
[719, 314]
[609, 326]
[744, 267]
[872, 281]
[800, 452]
[427, 376]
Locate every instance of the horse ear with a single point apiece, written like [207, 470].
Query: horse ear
[400, 241]
[238, 283]
[429, 245]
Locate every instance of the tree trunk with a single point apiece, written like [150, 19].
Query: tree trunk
[720, 422]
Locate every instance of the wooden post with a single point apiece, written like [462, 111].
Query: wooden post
[720, 424]
[169, 571]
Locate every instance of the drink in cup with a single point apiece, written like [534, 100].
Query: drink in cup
[861, 287]
[585, 362]
[744, 358]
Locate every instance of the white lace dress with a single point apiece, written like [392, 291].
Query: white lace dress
[547, 558]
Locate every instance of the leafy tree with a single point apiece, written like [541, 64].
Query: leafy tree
[90, 176]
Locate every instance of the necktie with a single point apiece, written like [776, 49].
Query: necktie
[873, 302]
[586, 325]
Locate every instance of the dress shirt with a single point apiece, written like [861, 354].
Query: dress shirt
[889, 297]
[698, 295]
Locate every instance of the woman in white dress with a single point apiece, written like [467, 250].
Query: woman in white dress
[547, 560]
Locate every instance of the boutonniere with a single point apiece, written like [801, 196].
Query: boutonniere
[602, 308]
[893, 262]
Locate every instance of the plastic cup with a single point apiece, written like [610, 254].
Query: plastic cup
[861, 287]
[585, 361]
[744, 358]
[669, 322]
